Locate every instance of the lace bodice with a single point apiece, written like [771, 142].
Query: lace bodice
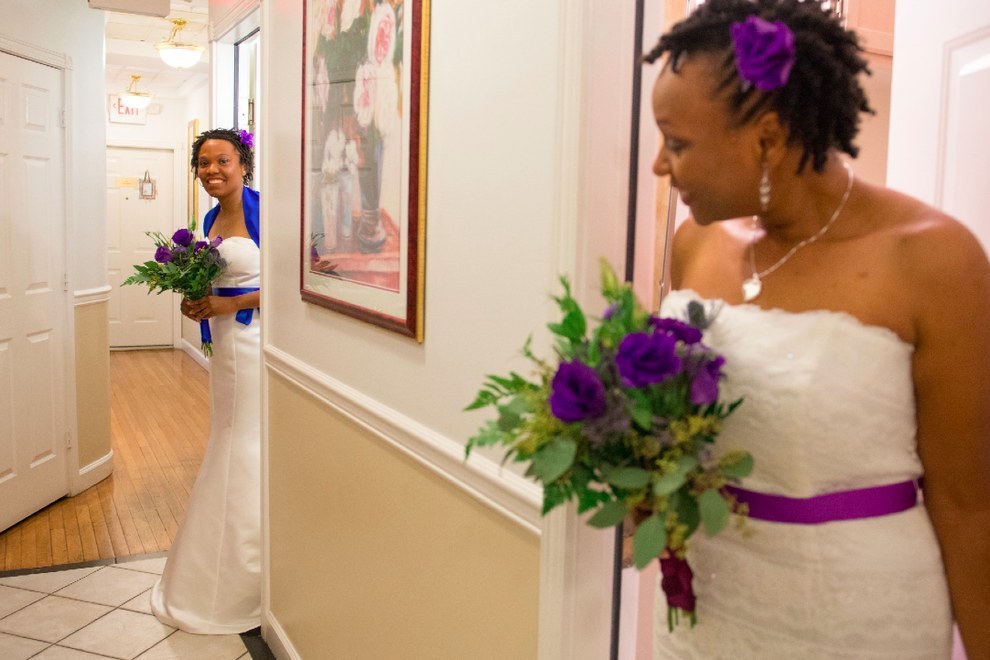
[828, 406]
[828, 402]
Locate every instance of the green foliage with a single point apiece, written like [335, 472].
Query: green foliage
[191, 272]
[641, 453]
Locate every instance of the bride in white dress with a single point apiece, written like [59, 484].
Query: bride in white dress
[853, 321]
[212, 578]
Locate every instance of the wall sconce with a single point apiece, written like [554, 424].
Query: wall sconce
[177, 54]
[132, 98]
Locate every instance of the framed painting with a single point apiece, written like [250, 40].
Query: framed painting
[365, 82]
[192, 183]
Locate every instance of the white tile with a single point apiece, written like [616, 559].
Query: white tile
[120, 634]
[185, 646]
[62, 653]
[52, 618]
[12, 599]
[140, 603]
[154, 565]
[50, 581]
[109, 586]
[18, 648]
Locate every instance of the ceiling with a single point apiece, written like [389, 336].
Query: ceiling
[130, 50]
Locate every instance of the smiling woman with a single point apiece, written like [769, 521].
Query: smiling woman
[850, 290]
[211, 583]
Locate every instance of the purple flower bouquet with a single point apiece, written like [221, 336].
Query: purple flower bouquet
[624, 421]
[184, 265]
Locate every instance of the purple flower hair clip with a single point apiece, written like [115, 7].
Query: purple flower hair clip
[764, 53]
[247, 139]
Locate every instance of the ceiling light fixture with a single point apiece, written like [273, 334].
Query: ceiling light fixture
[132, 98]
[175, 53]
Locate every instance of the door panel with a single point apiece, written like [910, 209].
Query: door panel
[136, 318]
[33, 444]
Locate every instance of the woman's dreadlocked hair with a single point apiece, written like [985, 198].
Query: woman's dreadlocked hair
[822, 99]
[244, 151]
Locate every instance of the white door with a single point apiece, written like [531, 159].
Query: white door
[32, 289]
[939, 134]
[136, 318]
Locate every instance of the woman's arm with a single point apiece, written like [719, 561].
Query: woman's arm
[949, 279]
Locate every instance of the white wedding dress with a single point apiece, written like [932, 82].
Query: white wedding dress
[212, 578]
[828, 406]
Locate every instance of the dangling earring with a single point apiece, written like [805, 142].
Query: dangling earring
[765, 189]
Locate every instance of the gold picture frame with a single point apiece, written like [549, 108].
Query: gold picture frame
[365, 108]
[192, 182]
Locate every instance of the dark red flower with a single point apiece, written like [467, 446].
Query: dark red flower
[676, 582]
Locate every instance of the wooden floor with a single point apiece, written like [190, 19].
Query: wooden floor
[159, 426]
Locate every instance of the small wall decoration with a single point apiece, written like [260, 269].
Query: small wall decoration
[365, 74]
[147, 187]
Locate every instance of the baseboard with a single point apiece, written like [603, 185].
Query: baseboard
[278, 641]
[92, 474]
[196, 353]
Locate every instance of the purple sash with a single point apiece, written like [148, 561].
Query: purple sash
[842, 505]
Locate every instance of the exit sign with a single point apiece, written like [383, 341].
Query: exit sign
[121, 114]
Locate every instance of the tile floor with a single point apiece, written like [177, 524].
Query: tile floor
[98, 612]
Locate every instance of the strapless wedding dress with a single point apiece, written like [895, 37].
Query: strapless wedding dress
[828, 406]
[212, 578]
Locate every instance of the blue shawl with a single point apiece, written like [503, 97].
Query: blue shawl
[250, 202]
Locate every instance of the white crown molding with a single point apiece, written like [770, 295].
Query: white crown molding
[36, 53]
[231, 19]
[508, 493]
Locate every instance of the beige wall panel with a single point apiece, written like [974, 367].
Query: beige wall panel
[92, 382]
[372, 556]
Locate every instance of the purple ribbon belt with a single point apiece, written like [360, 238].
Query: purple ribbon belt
[842, 505]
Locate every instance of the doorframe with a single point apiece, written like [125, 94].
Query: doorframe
[179, 182]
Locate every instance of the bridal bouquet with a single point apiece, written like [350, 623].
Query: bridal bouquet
[623, 420]
[184, 265]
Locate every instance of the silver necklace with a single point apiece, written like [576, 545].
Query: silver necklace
[753, 285]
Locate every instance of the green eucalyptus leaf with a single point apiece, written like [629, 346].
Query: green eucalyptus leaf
[628, 477]
[738, 465]
[610, 515]
[649, 541]
[714, 511]
[687, 511]
[553, 459]
[686, 463]
[668, 483]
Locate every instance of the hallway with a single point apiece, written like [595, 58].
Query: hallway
[157, 452]
[74, 577]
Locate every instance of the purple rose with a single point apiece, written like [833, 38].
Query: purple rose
[704, 385]
[163, 255]
[247, 139]
[576, 393]
[200, 245]
[644, 359]
[183, 237]
[676, 582]
[679, 329]
[216, 242]
[178, 251]
[764, 52]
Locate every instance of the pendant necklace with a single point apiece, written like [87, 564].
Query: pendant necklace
[753, 285]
